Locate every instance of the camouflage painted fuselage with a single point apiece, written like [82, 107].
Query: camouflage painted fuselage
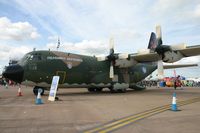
[77, 70]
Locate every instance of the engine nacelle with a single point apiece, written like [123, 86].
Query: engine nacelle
[172, 56]
[124, 63]
[144, 51]
[178, 46]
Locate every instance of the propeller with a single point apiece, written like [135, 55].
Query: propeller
[160, 70]
[160, 62]
[112, 57]
[111, 71]
[159, 35]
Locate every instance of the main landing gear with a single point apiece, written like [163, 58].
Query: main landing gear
[35, 90]
[118, 90]
[137, 87]
[118, 87]
[95, 89]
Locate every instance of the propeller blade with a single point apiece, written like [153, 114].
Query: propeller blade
[160, 69]
[111, 71]
[123, 56]
[102, 58]
[159, 34]
[111, 46]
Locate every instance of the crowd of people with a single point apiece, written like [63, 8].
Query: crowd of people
[4, 82]
[183, 83]
[148, 83]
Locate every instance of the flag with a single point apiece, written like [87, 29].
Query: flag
[174, 73]
[58, 43]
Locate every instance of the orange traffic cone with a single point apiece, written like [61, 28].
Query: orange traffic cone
[19, 92]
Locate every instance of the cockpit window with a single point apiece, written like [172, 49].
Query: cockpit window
[35, 57]
[27, 57]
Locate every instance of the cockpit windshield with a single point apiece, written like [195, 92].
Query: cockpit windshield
[33, 57]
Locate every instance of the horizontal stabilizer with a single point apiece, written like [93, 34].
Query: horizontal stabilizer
[179, 66]
[190, 51]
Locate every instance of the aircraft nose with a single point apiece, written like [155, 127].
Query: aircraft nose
[14, 72]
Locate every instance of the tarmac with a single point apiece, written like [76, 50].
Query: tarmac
[81, 111]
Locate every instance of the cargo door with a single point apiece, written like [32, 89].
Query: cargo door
[62, 75]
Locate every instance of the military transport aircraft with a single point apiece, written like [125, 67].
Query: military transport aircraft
[117, 71]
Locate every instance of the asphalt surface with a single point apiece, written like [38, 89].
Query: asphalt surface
[81, 111]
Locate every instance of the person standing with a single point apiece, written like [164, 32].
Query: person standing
[175, 84]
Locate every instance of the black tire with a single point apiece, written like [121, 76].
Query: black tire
[99, 89]
[95, 89]
[113, 90]
[91, 89]
[35, 90]
[122, 90]
[139, 89]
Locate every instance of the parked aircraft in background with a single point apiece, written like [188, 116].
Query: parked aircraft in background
[117, 71]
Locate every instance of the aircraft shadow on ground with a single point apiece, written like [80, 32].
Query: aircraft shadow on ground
[158, 91]
[103, 93]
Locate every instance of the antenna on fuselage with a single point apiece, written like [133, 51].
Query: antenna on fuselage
[58, 45]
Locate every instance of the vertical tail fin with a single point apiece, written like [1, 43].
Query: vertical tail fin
[155, 41]
[152, 41]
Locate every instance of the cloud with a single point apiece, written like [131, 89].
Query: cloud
[87, 47]
[16, 31]
[86, 26]
[197, 11]
[11, 52]
[175, 14]
[86, 20]
[53, 38]
[190, 60]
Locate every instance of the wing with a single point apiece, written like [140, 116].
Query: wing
[147, 57]
[169, 56]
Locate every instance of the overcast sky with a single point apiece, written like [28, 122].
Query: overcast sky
[85, 26]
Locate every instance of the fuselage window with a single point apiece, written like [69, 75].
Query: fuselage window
[32, 67]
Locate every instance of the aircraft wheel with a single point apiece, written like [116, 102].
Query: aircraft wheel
[139, 89]
[113, 90]
[118, 91]
[35, 90]
[99, 89]
[91, 89]
[95, 89]
[122, 90]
